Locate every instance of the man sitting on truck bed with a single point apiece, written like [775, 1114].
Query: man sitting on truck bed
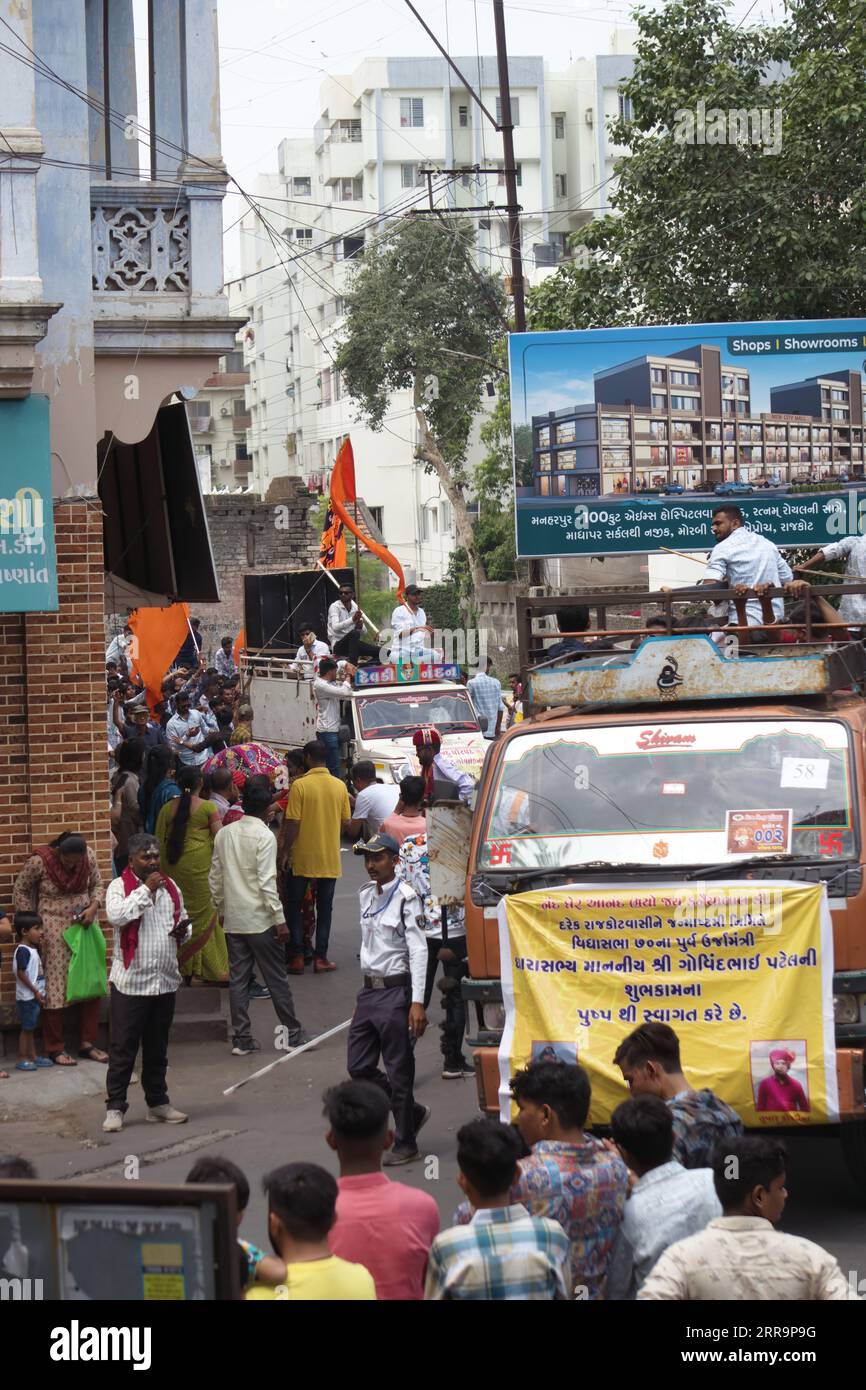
[649, 1059]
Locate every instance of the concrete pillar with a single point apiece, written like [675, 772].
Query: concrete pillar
[122, 88]
[167, 117]
[22, 151]
[200, 77]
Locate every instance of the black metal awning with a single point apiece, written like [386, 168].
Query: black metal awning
[156, 531]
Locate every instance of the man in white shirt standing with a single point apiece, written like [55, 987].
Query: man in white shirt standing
[243, 883]
[389, 1013]
[411, 631]
[743, 557]
[118, 650]
[329, 692]
[224, 663]
[310, 653]
[186, 732]
[346, 627]
[147, 907]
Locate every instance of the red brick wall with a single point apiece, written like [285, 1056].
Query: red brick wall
[53, 759]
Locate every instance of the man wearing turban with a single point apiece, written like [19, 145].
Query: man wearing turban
[434, 766]
[781, 1091]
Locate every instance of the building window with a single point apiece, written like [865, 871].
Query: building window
[411, 111]
[566, 458]
[233, 362]
[742, 386]
[346, 132]
[325, 386]
[302, 188]
[518, 169]
[559, 125]
[565, 432]
[347, 190]
[838, 395]
[658, 402]
[688, 403]
[351, 246]
[657, 376]
[411, 175]
[445, 513]
[463, 116]
[839, 413]
[515, 111]
[544, 463]
[613, 429]
[239, 406]
[377, 513]
[658, 429]
[303, 234]
[684, 378]
[625, 111]
[561, 182]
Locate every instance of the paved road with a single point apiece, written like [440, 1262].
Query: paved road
[278, 1118]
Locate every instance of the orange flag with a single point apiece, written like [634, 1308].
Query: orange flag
[239, 646]
[339, 520]
[158, 635]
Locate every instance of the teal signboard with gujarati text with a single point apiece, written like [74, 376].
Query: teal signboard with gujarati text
[28, 562]
[613, 526]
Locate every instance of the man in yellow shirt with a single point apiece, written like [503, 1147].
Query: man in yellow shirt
[317, 811]
[302, 1207]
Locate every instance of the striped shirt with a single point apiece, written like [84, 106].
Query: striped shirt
[486, 695]
[504, 1254]
[153, 969]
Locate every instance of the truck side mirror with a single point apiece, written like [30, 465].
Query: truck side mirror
[449, 831]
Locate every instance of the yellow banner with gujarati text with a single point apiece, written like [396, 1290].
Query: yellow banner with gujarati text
[742, 971]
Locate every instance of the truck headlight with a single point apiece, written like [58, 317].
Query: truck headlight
[846, 1008]
[493, 1016]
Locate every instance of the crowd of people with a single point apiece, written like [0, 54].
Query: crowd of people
[226, 875]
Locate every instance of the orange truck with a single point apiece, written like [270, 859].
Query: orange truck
[573, 790]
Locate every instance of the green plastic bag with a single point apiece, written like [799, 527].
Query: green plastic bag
[86, 977]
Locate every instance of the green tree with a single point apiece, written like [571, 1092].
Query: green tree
[421, 317]
[704, 232]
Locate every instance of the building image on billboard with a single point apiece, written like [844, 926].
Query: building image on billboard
[694, 412]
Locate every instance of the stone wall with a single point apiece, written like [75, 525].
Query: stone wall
[249, 535]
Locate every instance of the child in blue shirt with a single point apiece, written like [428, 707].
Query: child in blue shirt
[29, 988]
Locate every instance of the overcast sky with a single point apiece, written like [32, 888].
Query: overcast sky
[274, 57]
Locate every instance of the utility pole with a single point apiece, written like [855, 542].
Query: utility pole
[507, 128]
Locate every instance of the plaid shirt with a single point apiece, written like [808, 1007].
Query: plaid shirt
[486, 695]
[502, 1254]
[583, 1187]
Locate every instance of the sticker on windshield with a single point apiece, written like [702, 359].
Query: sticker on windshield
[805, 772]
[673, 788]
[759, 832]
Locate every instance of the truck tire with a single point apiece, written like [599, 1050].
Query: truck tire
[854, 1152]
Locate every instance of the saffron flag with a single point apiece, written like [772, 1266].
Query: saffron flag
[158, 635]
[338, 520]
[239, 646]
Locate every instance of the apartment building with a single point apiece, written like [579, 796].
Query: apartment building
[688, 422]
[383, 137]
[219, 419]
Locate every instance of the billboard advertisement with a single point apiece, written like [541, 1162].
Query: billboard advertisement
[625, 439]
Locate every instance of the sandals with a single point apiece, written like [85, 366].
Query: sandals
[93, 1054]
[25, 1066]
[62, 1059]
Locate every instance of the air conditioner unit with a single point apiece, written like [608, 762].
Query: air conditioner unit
[224, 410]
[589, 116]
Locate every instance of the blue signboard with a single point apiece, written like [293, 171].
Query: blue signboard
[663, 423]
[28, 563]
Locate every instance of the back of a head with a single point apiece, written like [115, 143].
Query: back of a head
[743, 1163]
[487, 1154]
[220, 780]
[314, 751]
[13, 1168]
[729, 509]
[564, 1087]
[304, 1198]
[364, 771]
[327, 664]
[357, 1112]
[574, 619]
[215, 1168]
[652, 1042]
[257, 797]
[643, 1126]
[412, 791]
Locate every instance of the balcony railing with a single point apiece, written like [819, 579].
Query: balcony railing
[140, 240]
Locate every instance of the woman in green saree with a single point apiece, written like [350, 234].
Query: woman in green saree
[185, 828]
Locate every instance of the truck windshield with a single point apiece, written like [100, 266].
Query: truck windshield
[672, 794]
[388, 714]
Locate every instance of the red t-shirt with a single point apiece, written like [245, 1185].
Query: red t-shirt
[388, 1228]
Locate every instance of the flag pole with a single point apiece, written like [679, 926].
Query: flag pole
[371, 625]
[357, 557]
